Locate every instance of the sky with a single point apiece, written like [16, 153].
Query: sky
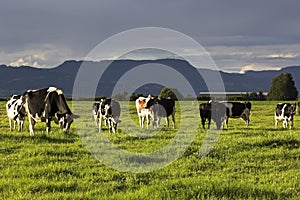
[238, 35]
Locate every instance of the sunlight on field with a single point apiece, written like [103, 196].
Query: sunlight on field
[258, 162]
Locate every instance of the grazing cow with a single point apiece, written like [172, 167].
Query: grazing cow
[215, 111]
[109, 110]
[143, 113]
[161, 108]
[219, 113]
[238, 110]
[15, 112]
[285, 112]
[45, 104]
[205, 113]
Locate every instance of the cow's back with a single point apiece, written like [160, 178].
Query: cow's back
[166, 107]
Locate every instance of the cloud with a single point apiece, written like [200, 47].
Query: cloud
[282, 56]
[257, 67]
[24, 62]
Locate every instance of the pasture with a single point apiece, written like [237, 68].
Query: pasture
[258, 162]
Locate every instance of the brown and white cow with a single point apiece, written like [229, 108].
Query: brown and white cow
[143, 112]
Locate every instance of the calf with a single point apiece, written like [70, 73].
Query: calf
[109, 110]
[238, 110]
[45, 104]
[161, 108]
[15, 112]
[142, 112]
[285, 112]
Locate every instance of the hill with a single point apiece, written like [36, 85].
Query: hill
[16, 80]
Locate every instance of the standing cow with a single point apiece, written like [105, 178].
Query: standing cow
[143, 112]
[15, 112]
[231, 110]
[285, 112]
[161, 108]
[45, 104]
[238, 110]
[109, 111]
[205, 114]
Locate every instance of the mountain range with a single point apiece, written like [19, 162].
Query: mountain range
[16, 80]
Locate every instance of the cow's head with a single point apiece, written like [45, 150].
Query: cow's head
[150, 101]
[292, 109]
[64, 121]
[218, 113]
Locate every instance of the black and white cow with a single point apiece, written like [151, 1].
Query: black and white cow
[45, 104]
[161, 108]
[109, 111]
[15, 112]
[238, 110]
[233, 110]
[285, 112]
[96, 114]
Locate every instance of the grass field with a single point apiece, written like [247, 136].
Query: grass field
[258, 162]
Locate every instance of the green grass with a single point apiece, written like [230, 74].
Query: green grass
[258, 162]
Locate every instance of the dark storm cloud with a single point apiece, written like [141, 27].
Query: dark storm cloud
[63, 29]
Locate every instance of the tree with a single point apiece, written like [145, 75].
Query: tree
[170, 93]
[283, 88]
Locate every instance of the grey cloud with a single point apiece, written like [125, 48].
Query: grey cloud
[78, 26]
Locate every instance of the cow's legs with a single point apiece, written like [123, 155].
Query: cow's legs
[203, 122]
[292, 123]
[276, 123]
[173, 120]
[147, 120]
[21, 123]
[100, 124]
[14, 124]
[31, 126]
[167, 121]
[10, 125]
[142, 121]
[48, 125]
[285, 123]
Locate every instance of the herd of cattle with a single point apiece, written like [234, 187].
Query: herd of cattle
[47, 104]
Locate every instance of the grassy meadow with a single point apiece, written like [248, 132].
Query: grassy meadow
[258, 162]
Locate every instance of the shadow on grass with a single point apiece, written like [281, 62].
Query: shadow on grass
[59, 138]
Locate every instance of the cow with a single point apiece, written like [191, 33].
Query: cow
[45, 104]
[15, 112]
[109, 110]
[161, 108]
[95, 110]
[142, 112]
[232, 110]
[215, 111]
[238, 110]
[205, 113]
[285, 112]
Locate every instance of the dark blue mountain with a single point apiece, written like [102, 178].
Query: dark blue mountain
[16, 80]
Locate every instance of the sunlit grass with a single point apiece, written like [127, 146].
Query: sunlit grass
[258, 162]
